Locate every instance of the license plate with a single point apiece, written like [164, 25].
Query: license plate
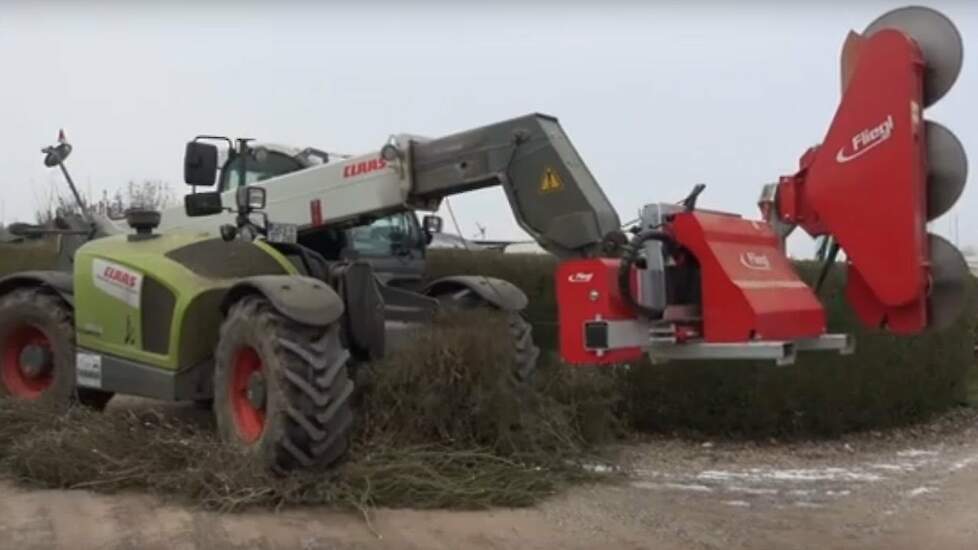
[283, 233]
[88, 370]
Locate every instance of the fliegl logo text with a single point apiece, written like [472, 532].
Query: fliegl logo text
[580, 277]
[866, 140]
[756, 261]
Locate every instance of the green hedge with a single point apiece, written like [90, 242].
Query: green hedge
[25, 256]
[889, 380]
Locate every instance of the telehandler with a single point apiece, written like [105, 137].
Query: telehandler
[264, 318]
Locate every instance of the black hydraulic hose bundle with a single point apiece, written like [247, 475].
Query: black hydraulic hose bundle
[632, 249]
[629, 258]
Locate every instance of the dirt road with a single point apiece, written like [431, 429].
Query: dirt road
[906, 490]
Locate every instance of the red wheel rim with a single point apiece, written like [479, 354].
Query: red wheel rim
[249, 420]
[13, 373]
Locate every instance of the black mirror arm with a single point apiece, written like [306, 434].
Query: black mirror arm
[244, 220]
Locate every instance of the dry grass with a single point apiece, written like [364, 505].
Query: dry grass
[441, 426]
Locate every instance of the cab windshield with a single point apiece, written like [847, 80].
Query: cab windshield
[271, 164]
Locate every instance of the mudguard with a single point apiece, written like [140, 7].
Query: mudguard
[303, 299]
[497, 292]
[60, 282]
[356, 284]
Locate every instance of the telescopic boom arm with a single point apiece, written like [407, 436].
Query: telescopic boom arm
[692, 283]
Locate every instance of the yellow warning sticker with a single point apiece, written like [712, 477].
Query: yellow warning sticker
[550, 181]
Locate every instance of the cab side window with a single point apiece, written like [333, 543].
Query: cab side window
[386, 236]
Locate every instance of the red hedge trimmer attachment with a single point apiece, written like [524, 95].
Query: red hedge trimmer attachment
[692, 284]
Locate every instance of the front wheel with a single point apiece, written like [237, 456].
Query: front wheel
[281, 389]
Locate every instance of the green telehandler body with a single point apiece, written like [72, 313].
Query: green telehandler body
[188, 317]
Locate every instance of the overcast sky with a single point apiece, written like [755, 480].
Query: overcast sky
[655, 97]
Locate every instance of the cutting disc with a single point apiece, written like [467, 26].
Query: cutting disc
[938, 39]
[947, 169]
[948, 277]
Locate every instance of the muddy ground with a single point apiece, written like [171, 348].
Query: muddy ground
[911, 488]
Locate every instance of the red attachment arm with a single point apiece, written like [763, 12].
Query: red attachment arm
[865, 184]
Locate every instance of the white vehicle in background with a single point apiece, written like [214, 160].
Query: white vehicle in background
[449, 241]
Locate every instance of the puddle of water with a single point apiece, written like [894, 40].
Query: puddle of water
[814, 474]
[803, 504]
[920, 491]
[914, 453]
[676, 486]
[600, 468]
[961, 464]
[903, 467]
[751, 490]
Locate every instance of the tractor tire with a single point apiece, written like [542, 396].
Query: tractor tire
[525, 352]
[281, 389]
[36, 321]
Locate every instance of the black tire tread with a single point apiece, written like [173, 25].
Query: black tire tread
[525, 352]
[310, 367]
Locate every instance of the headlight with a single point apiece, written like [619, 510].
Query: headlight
[250, 198]
[256, 198]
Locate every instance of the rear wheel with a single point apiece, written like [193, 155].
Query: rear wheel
[37, 350]
[525, 353]
[281, 389]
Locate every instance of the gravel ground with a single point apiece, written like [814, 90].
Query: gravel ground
[908, 488]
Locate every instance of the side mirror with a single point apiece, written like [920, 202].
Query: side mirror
[431, 224]
[200, 164]
[250, 198]
[202, 204]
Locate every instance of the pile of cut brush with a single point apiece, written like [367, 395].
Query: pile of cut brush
[441, 425]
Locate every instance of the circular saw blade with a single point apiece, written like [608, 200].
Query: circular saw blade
[939, 41]
[948, 283]
[947, 169]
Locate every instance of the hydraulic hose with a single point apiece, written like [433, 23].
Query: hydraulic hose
[628, 259]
